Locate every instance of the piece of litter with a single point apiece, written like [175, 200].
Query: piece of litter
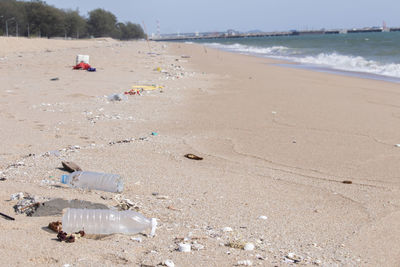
[55, 79]
[249, 246]
[7, 217]
[169, 263]
[397, 145]
[182, 247]
[117, 97]
[263, 217]
[192, 156]
[245, 263]
[56, 226]
[259, 257]
[137, 239]
[17, 196]
[197, 246]
[347, 182]
[227, 229]
[154, 133]
[70, 166]
[293, 258]
[162, 197]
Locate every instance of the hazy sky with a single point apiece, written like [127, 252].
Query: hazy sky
[267, 15]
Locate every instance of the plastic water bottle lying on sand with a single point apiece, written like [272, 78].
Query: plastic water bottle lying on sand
[96, 221]
[94, 180]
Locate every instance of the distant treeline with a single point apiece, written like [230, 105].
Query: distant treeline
[36, 18]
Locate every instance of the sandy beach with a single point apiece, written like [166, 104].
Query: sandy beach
[277, 144]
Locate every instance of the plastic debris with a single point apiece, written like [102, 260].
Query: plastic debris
[27, 205]
[263, 217]
[137, 239]
[182, 247]
[245, 263]
[154, 133]
[82, 66]
[169, 263]
[194, 157]
[249, 246]
[236, 244]
[347, 182]
[82, 58]
[293, 258]
[7, 217]
[197, 246]
[147, 87]
[117, 97]
[70, 166]
[55, 79]
[227, 229]
[17, 196]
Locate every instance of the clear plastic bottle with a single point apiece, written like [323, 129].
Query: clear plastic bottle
[94, 180]
[96, 221]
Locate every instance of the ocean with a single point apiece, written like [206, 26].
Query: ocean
[371, 55]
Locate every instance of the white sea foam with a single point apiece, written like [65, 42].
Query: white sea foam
[328, 60]
[352, 63]
[276, 51]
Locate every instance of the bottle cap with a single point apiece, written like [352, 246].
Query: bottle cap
[64, 178]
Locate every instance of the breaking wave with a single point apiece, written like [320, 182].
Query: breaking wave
[333, 60]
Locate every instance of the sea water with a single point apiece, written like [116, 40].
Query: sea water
[373, 55]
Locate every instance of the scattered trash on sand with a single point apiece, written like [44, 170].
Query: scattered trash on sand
[249, 246]
[397, 145]
[147, 87]
[262, 217]
[55, 79]
[27, 205]
[17, 196]
[347, 182]
[2, 179]
[107, 221]
[56, 226]
[133, 92]
[82, 58]
[63, 236]
[245, 263]
[154, 133]
[70, 166]
[7, 217]
[125, 203]
[292, 258]
[182, 247]
[168, 263]
[122, 141]
[194, 157]
[227, 229]
[117, 97]
[236, 244]
[82, 66]
[55, 206]
[94, 180]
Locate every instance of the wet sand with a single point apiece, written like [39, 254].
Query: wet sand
[276, 142]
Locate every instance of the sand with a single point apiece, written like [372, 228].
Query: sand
[277, 144]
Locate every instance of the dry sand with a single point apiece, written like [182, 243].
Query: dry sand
[276, 142]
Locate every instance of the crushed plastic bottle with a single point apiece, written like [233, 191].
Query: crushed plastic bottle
[97, 221]
[94, 180]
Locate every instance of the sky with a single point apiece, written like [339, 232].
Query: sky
[180, 16]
